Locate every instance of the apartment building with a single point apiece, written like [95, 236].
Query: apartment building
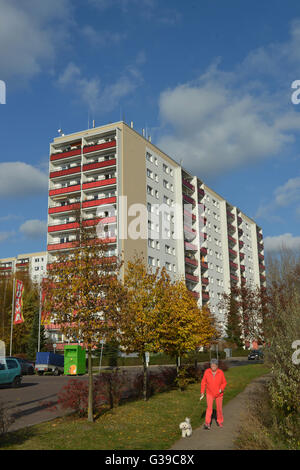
[150, 204]
[35, 264]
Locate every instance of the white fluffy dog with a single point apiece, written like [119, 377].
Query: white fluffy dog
[186, 428]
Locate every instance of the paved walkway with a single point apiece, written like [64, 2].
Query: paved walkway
[221, 438]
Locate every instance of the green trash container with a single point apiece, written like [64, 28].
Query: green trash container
[74, 363]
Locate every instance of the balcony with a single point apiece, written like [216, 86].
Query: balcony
[262, 278]
[242, 268]
[191, 261]
[69, 171]
[97, 184]
[205, 281]
[191, 277]
[234, 278]
[231, 239]
[200, 193]
[202, 220]
[259, 236]
[188, 199]
[239, 220]
[204, 265]
[188, 185]
[105, 220]
[241, 243]
[62, 227]
[243, 279]
[261, 256]
[188, 229]
[242, 256]
[260, 246]
[240, 232]
[203, 235]
[74, 244]
[66, 190]
[233, 265]
[96, 165]
[99, 202]
[195, 294]
[66, 208]
[261, 267]
[230, 215]
[232, 252]
[231, 228]
[189, 215]
[94, 148]
[190, 246]
[60, 155]
[5, 268]
[203, 251]
[205, 296]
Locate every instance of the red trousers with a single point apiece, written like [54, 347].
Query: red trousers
[210, 400]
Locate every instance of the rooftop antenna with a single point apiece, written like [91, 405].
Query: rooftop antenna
[60, 132]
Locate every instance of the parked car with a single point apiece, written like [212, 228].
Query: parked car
[255, 354]
[27, 367]
[49, 362]
[10, 372]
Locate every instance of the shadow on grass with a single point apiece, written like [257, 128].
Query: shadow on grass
[16, 437]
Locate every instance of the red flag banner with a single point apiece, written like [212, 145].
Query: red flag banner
[18, 303]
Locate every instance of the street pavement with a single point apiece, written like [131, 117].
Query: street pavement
[33, 402]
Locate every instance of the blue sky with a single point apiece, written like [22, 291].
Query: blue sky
[210, 80]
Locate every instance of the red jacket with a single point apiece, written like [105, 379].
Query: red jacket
[213, 384]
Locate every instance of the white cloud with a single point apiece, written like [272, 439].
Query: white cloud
[30, 34]
[101, 38]
[225, 120]
[286, 240]
[6, 235]
[288, 193]
[98, 97]
[19, 179]
[34, 229]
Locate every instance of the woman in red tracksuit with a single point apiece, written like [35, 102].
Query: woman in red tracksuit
[214, 383]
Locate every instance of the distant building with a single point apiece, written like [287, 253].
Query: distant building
[35, 264]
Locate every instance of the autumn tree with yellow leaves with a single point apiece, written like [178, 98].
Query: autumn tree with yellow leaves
[81, 291]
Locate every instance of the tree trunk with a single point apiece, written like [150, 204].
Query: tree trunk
[177, 364]
[90, 397]
[145, 381]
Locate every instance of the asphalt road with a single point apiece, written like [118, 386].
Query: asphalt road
[32, 402]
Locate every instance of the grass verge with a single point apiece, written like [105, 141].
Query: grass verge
[136, 425]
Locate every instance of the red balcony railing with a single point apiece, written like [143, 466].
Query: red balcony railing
[69, 171]
[260, 246]
[203, 220]
[189, 230]
[192, 278]
[205, 281]
[243, 268]
[96, 165]
[243, 279]
[263, 278]
[61, 227]
[204, 265]
[97, 184]
[190, 246]
[189, 215]
[188, 185]
[99, 202]
[233, 265]
[191, 261]
[231, 239]
[231, 228]
[241, 243]
[230, 215]
[69, 207]
[234, 278]
[5, 268]
[240, 220]
[195, 294]
[232, 252]
[242, 256]
[203, 250]
[188, 199]
[68, 189]
[203, 235]
[205, 295]
[200, 192]
[73, 244]
[94, 148]
[70, 153]
[259, 236]
[261, 256]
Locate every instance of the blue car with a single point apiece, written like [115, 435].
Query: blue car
[10, 372]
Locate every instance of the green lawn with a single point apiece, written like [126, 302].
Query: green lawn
[135, 425]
